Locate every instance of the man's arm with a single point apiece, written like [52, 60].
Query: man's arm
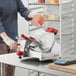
[6, 38]
[2, 31]
[23, 10]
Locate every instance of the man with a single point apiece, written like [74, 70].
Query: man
[9, 28]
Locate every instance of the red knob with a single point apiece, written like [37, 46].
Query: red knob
[19, 53]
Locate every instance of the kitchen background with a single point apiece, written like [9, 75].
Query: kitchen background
[23, 25]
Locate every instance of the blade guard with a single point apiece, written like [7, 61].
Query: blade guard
[50, 29]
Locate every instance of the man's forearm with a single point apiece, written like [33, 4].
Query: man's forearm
[4, 36]
[8, 40]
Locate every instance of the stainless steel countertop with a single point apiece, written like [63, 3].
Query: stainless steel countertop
[31, 64]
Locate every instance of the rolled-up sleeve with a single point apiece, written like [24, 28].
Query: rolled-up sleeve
[23, 10]
[1, 27]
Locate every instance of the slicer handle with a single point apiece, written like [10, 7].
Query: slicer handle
[32, 38]
[50, 29]
[24, 37]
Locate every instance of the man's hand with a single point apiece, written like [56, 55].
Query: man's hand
[11, 43]
[31, 15]
[37, 19]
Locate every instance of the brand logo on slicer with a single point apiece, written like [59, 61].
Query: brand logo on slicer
[55, 55]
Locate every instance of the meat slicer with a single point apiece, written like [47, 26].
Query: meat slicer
[41, 44]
